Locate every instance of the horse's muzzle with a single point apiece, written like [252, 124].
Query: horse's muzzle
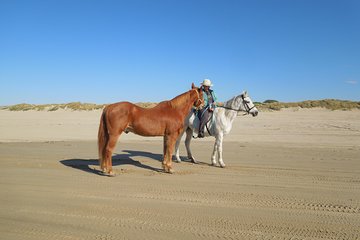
[254, 113]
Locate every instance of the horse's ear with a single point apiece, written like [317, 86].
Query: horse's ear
[193, 86]
[244, 93]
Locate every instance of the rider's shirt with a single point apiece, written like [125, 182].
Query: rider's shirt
[209, 98]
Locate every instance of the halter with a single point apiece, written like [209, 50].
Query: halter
[245, 104]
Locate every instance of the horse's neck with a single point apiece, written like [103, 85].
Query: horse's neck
[230, 115]
[183, 102]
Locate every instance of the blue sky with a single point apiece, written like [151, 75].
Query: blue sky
[108, 51]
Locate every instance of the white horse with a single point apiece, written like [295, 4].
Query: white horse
[219, 126]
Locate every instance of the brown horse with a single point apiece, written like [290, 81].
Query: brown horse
[165, 119]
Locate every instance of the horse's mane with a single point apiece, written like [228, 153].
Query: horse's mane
[181, 100]
[229, 104]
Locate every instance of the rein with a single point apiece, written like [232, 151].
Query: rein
[246, 106]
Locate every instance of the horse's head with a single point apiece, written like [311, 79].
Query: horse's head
[246, 104]
[199, 100]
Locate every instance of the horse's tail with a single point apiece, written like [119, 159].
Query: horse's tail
[103, 138]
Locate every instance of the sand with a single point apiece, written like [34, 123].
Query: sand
[292, 174]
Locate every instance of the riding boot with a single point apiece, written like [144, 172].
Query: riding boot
[201, 129]
[201, 134]
[204, 119]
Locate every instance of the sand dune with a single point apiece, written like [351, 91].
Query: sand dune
[290, 175]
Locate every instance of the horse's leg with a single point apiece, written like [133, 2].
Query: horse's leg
[109, 150]
[164, 153]
[213, 156]
[217, 152]
[169, 145]
[220, 149]
[177, 145]
[189, 134]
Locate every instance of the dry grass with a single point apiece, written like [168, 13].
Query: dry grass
[73, 106]
[332, 104]
[270, 105]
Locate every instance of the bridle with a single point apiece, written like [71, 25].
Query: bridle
[245, 104]
[199, 100]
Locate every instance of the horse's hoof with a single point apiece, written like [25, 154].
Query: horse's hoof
[222, 164]
[107, 174]
[167, 169]
[193, 160]
[164, 167]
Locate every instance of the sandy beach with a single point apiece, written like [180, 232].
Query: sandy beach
[291, 174]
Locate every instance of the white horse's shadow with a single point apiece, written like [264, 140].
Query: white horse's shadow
[219, 126]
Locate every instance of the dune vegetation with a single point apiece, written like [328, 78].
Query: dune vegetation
[332, 104]
[73, 106]
[268, 105]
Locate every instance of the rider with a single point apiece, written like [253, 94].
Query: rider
[210, 102]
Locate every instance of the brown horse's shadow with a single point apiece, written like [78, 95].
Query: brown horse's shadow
[91, 165]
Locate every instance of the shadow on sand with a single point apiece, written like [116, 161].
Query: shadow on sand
[126, 158]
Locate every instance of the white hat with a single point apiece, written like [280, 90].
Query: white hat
[207, 83]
